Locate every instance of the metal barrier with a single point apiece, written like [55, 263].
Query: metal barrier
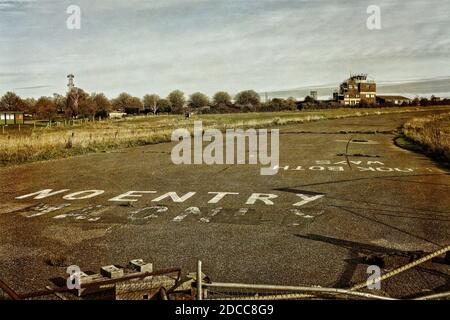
[102, 283]
[273, 292]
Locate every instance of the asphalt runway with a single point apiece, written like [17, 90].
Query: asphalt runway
[322, 220]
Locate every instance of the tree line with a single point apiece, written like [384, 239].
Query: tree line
[79, 104]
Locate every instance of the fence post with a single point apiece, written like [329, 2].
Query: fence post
[199, 280]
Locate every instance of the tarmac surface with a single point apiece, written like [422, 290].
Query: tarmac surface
[327, 217]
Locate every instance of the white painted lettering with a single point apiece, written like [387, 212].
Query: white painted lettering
[42, 194]
[174, 196]
[264, 197]
[219, 196]
[127, 196]
[87, 194]
[306, 199]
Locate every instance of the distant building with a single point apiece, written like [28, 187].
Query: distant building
[398, 100]
[336, 95]
[355, 90]
[11, 117]
[435, 99]
[313, 94]
[132, 110]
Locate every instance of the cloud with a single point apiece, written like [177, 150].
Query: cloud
[14, 5]
[198, 45]
[34, 87]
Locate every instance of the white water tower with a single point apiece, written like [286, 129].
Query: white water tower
[73, 93]
[71, 84]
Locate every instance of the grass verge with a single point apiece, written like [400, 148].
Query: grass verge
[45, 143]
[429, 135]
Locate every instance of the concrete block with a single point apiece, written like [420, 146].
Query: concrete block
[85, 279]
[111, 272]
[141, 266]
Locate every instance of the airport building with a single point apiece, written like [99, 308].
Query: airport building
[355, 90]
[398, 100]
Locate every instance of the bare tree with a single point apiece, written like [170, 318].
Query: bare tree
[151, 102]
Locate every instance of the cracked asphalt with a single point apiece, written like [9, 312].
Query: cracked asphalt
[377, 202]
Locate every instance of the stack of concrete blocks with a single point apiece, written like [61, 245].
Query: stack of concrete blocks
[144, 288]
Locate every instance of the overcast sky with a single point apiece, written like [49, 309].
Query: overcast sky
[156, 46]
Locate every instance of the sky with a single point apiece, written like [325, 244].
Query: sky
[157, 46]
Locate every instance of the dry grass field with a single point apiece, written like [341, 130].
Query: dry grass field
[34, 143]
[432, 133]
